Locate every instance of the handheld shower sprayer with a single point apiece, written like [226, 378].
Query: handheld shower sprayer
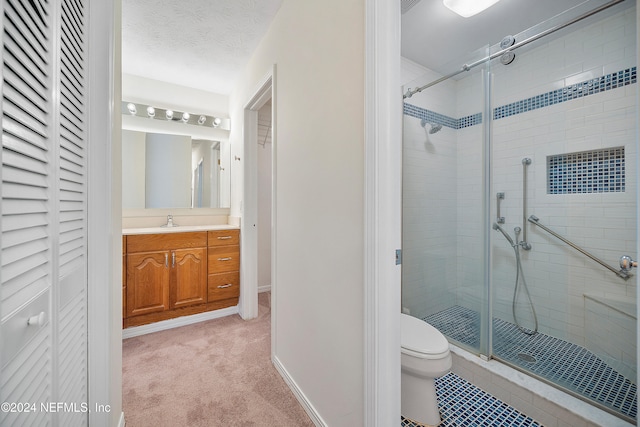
[519, 274]
[517, 230]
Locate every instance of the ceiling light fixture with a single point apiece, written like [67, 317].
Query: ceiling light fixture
[467, 8]
[150, 112]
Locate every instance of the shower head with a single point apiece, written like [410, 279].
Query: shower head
[435, 127]
[506, 236]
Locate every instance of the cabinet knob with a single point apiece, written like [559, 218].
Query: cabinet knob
[37, 320]
[224, 237]
[173, 259]
[225, 259]
[166, 260]
[228, 285]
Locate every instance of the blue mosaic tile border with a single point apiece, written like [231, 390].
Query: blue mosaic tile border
[578, 90]
[433, 117]
[596, 171]
[465, 122]
[430, 116]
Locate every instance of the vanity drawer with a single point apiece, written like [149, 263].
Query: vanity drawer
[224, 237]
[223, 259]
[223, 286]
[166, 241]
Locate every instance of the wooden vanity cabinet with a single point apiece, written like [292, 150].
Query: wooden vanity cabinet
[224, 266]
[177, 274]
[166, 276]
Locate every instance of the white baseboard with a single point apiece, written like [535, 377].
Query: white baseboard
[264, 288]
[177, 322]
[306, 405]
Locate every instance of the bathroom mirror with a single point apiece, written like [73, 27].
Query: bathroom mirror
[161, 171]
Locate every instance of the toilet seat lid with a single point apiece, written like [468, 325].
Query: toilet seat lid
[418, 336]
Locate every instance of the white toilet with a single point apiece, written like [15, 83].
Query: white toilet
[425, 355]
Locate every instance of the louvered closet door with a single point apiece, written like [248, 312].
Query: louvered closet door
[43, 258]
[72, 257]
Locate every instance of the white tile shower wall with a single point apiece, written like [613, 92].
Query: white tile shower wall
[602, 223]
[604, 320]
[470, 218]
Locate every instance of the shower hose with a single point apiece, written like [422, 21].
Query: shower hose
[520, 273]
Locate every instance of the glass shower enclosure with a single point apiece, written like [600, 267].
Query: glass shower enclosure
[520, 204]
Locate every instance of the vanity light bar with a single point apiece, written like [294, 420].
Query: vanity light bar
[148, 111]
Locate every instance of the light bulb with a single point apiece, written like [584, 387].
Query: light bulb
[467, 8]
[132, 108]
[216, 122]
[169, 114]
[151, 112]
[201, 120]
[185, 117]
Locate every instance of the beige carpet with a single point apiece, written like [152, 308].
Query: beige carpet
[214, 373]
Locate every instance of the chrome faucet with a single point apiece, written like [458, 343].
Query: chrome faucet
[170, 222]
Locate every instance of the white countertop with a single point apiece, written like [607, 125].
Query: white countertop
[177, 229]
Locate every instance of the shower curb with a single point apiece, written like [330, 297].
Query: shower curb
[538, 400]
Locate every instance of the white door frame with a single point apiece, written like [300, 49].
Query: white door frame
[104, 220]
[248, 304]
[383, 213]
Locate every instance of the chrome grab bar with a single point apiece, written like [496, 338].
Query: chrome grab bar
[524, 243]
[620, 273]
[499, 219]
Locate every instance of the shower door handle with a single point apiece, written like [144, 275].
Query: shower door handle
[499, 219]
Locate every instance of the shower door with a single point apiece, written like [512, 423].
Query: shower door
[564, 145]
[445, 249]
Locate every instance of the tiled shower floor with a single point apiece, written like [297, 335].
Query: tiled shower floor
[462, 404]
[569, 365]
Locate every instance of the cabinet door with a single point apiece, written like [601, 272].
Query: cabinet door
[189, 277]
[147, 282]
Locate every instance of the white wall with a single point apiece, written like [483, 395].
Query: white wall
[169, 95]
[318, 49]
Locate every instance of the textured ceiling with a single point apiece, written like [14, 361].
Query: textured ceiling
[202, 44]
